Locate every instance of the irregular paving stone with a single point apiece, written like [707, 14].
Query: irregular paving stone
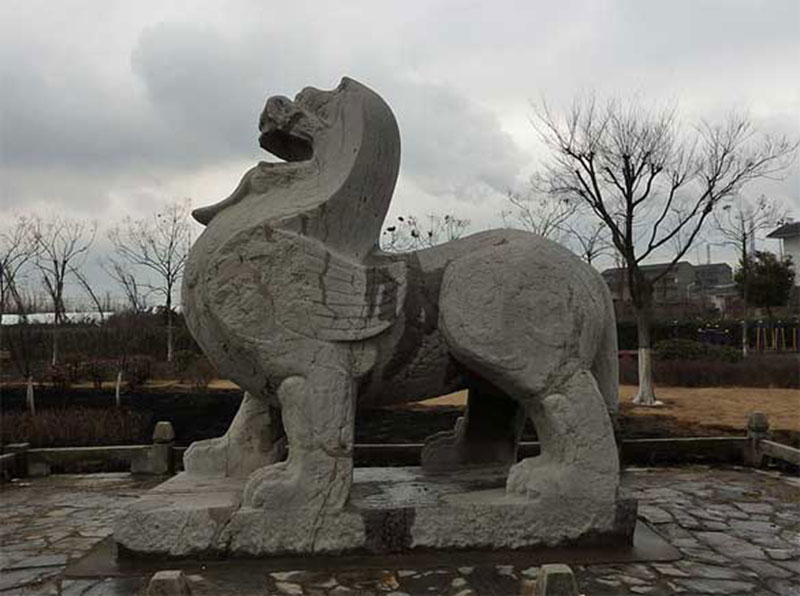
[783, 586]
[764, 569]
[716, 586]
[731, 546]
[793, 566]
[15, 578]
[669, 570]
[778, 554]
[653, 514]
[694, 569]
[753, 527]
[749, 507]
[39, 561]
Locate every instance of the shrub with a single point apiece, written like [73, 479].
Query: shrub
[201, 373]
[62, 427]
[774, 370]
[136, 371]
[679, 349]
[97, 371]
[64, 375]
[182, 360]
[687, 349]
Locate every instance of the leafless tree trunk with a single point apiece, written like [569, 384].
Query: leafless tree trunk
[591, 238]
[649, 181]
[60, 244]
[84, 283]
[17, 249]
[159, 245]
[134, 293]
[739, 222]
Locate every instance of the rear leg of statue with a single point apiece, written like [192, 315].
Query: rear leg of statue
[486, 437]
[579, 457]
[254, 439]
[318, 414]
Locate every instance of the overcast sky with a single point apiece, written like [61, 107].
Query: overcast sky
[114, 108]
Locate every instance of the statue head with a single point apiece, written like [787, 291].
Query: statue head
[342, 149]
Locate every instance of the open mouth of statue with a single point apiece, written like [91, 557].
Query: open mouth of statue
[286, 146]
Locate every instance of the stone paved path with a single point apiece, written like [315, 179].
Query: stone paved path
[737, 529]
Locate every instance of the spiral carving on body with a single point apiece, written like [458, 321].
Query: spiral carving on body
[289, 296]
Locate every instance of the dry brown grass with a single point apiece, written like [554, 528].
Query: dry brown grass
[707, 406]
[720, 406]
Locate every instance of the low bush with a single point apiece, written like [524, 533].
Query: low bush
[63, 427]
[687, 349]
[773, 370]
[182, 360]
[201, 373]
[98, 371]
[136, 371]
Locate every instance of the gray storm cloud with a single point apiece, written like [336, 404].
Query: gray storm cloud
[162, 91]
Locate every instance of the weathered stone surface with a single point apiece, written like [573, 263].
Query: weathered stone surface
[390, 510]
[163, 432]
[169, 582]
[288, 295]
[556, 580]
[182, 516]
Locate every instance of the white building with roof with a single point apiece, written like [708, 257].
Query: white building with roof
[789, 235]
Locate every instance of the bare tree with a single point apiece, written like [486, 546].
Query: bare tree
[541, 213]
[159, 244]
[591, 239]
[739, 221]
[17, 249]
[61, 244]
[408, 233]
[648, 180]
[135, 294]
[83, 281]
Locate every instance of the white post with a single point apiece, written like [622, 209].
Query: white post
[29, 397]
[117, 387]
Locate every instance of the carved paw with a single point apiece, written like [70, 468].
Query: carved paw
[535, 478]
[549, 480]
[208, 457]
[223, 456]
[322, 483]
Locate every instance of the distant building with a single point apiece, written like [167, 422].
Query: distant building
[789, 235]
[685, 284]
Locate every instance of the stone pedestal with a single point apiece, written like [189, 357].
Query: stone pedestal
[390, 510]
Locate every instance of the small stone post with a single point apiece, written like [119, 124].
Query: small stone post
[21, 460]
[170, 582]
[757, 429]
[556, 580]
[158, 459]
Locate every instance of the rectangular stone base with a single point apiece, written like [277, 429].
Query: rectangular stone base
[390, 510]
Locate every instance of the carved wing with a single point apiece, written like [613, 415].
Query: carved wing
[300, 285]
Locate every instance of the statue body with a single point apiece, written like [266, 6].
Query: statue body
[289, 295]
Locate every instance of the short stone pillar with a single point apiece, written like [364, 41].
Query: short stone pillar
[757, 429]
[158, 458]
[170, 582]
[20, 468]
[556, 580]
